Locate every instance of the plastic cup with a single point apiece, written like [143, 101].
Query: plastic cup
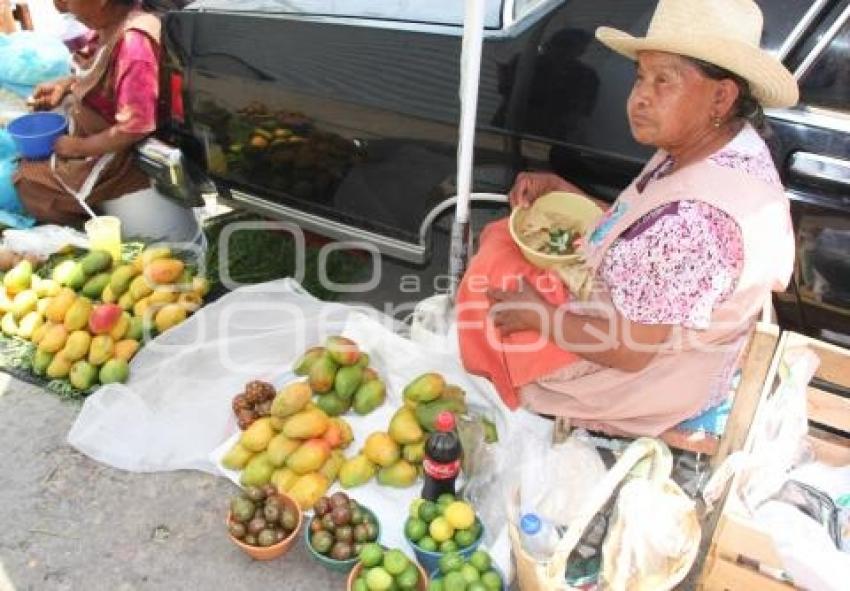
[104, 233]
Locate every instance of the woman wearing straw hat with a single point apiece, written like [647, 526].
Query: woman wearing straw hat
[685, 258]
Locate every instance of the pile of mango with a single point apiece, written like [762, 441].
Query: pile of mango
[298, 448]
[90, 317]
[340, 375]
[395, 457]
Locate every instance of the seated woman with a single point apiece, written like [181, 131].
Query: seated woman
[682, 262]
[113, 104]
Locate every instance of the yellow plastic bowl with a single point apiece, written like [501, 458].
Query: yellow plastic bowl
[584, 212]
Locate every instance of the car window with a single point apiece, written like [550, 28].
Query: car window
[780, 18]
[443, 12]
[827, 82]
[523, 7]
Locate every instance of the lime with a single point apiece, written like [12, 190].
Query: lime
[428, 544]
[371, 555]
[454, 582]
[476, 586]
[360, 585]
[415, 529]
[476, 528]
[441, 530]
[449, 546]
[460, 515]
[377, 579]
[409, 579]
[470, 573]
[481, 561]
[450, 562]
[446, 499]
[414, 507]
[428, 511]
[492, 580]
[395, 562]
[435, 585]
[464, 538]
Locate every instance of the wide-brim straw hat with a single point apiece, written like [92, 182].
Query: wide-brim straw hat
[725, 33]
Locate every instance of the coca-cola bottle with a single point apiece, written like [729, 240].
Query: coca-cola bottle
[442, 458]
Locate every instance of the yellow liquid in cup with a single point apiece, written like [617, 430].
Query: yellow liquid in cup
[104, 233]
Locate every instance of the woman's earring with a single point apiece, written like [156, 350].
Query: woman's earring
[717, 122]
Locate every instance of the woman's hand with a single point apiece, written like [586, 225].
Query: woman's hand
[69, 147]
[516, 311]
[531, 185]
[49, 95]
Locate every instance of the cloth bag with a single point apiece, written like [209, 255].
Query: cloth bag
[635, 557]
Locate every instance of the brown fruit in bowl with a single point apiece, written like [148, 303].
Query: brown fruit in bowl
[344, 534]
[322, 506]
[341, 551]
[339, 499]
[341, 516]
[256, 525]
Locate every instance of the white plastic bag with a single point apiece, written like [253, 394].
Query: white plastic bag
[43, 241]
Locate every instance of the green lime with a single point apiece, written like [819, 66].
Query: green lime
[481, 561]
[415, 529]
[435, 585]
[492, 580]
[360, 585]
[395, 562]
[449, 546]
[446, 499]
[371, 555]
[476, 529]
[454, 582]
[414, 507]
[476, 586]
[450, 562]
[428, 511]
[409, 579]
[470, 573]
[428, 544]
[377, 579]
[464, 538]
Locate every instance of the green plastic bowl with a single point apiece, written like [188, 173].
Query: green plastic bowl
[338, 566]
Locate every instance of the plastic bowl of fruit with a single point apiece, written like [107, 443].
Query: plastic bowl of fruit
[478, 572]
[263, 522]
[338, 530]
[434, 529]
[381, 568]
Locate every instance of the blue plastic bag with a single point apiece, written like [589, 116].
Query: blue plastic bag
[7, 146]
[12, 213]
[30, 58]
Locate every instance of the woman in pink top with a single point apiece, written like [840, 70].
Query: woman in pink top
[684, 259]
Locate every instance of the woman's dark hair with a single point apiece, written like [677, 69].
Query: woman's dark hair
[156, 5]
[746, 108]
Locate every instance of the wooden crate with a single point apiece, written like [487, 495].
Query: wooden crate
[741, 556]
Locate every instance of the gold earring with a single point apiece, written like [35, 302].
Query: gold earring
[717, 122]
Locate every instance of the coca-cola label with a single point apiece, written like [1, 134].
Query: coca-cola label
[440, 471]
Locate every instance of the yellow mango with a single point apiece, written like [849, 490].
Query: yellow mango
[258, 435]
[381, 449]
[163, 271]
[41, 306]
[200, 285]
[47, 288]
[163, 295]
[306, 424]
[5, 302]
[9, 325]
[170, 315]
[24, 303]
[140, 308]
[309, 457]
[126, 301]
[58, 307]
[77, 345]
[120, 329]
[283, 479]
[149, 255]
[308, 489]
[140, 288]
[281, 447]
[59, 367]
[119, 282]
[237, 457]
[29, 324]
[54, 339]
[77, 316]
[108, 296]
[101, 349]
[39, 333]
[190, 302]
[126, 349]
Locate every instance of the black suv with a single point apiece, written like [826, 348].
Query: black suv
[344, 120]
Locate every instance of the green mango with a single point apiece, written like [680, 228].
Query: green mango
[333, 404]
[399, 475]
[70, 274]
[18, 278]
[425, 388]
[83, 375]
[95, 262]
[40, 362]
[427, 413]
[306, 361]
[356, 471]
[369, 396]
[119, 282]
[258, 471]
[114, 371]
[347, 380]
[322, 374]
[95, 286]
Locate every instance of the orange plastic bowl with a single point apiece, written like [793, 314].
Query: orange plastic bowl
[275, 550]
[355, 572]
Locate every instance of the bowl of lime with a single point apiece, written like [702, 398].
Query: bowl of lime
[478, 572]
[436, 528]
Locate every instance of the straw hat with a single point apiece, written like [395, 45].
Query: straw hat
[725, 33]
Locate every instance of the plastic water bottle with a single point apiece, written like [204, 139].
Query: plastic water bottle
[539, 537]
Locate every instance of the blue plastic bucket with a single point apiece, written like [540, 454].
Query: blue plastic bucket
[430, 561]
[34, 134]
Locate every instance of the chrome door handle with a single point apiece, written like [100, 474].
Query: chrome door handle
[821, 168]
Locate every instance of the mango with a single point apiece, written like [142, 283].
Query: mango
[46, 287]
[42, 305]
[126, 301]
[330, 469]
[322, 374]
[39, 333]
[342, 350]
[277, 423]
[77, 345]
[59, 367]
[237, 457]
[191, 302]
[309, 456]
[346, 435]
[140, 288]
[54, 339]
[369, 374]
[356, 471]
[121, 327]
[363, 361]
[103, 318]
[108, 296]
[9, 325]
[291, 399]
[149, 255]
[302, 365]
[425, 388]
[183, 284]
[83, 375]
[369, 396]
[404, 427]
[281, 447]
[24, 303]
[454, 392]
[94, 287]
[308, 489]
[136, 329]
[77, 316]
[143, 308]
[114, 371]
[60, 304]
[257, 437]
[427, 413]
[258, 470]
[163, 271]
[5, 302]
[333, 434]
[70, 274]
[119, 282]
[163, 295]
[101, 349]
[283, 479]
[18, 278]
[306, 424]
[332, 404]
[200, 286]
[40, 362]
[347, 380]
[170, 315]
[96, 261]
[380, 449]
[414, 452]
[399, 475]
[29, 324]
[125, 349]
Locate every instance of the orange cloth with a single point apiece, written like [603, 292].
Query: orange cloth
[499, 264]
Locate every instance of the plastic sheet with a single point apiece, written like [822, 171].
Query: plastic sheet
[30, 58]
